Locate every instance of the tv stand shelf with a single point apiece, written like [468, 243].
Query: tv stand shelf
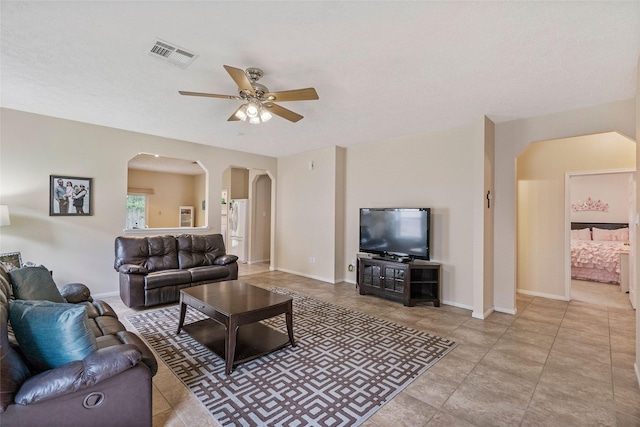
[407, 282]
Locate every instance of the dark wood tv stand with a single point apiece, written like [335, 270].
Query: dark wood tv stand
[407, 282]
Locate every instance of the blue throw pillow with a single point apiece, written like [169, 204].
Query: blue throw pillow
[34, 283]
[51, 334]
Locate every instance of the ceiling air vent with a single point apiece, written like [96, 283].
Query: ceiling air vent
[172, 54]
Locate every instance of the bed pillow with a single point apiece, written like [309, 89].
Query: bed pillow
[51, 334]
[581, 234]
[604, 235]
[622, 234]
[34, 283]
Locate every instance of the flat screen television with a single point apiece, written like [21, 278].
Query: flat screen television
[401, 232]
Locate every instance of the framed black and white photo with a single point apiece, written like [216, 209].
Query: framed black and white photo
[70, 195]
[11, 260]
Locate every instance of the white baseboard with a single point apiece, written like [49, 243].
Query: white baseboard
[310, 276]
[542, 294]
[455, 304]
[506, 310]
[482, 316]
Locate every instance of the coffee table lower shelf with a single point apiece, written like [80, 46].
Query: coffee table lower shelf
[254, 340]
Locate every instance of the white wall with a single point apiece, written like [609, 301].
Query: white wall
[80, 249]
[611, 189]
[512, 137]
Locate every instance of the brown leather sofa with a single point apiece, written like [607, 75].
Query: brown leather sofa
[152, 270]
[110, 386]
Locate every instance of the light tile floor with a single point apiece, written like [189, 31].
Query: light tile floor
[555, 363]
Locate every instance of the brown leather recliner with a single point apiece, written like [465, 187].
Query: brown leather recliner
[111, 386]
[153, 269]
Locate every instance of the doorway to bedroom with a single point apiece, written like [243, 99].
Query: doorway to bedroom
[601, 207]
[543, 261]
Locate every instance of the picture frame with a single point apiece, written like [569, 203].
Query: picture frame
[73, 198]
[11, 259]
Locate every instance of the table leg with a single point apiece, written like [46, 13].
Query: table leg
[230, 339]
[289, 317]
[183, 312]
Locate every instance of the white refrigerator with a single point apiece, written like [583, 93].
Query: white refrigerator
[239, 229]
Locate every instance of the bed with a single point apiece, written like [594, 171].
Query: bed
[595, 250]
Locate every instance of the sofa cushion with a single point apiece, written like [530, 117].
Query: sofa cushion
[153, 253]
[51, 334]
[13, 370]
[202, 274]
[34, 283]
[160, 279]
[195, 250]
[5, 283]
[75, 293]
[225, 259]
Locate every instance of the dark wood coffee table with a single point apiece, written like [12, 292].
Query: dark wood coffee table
[234, 308]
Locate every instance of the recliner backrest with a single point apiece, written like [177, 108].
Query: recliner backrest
[196, 250]
[154, 253]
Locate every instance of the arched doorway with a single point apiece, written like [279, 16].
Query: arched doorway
[542, 234]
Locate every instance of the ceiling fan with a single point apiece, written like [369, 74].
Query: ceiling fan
[260, 103]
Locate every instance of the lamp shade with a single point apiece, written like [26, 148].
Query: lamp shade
[4, 215]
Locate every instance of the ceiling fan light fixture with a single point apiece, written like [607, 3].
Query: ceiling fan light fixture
[253, 109]
[265, 116]
[259, 106]
[242, 113]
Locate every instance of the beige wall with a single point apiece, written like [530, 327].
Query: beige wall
[637, 235]
[260, 240]
[433, 170]
[80, 249]
[239, 183]
[306, 214]
[488, 218]
[170, 191]
[543, 210]
[199, 189]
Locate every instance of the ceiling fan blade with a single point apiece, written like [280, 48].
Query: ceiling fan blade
[306, 94]
[282, 112]
[210, 95]
[240, 78]
[233, 117]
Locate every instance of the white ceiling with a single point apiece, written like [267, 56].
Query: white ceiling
[382, 69]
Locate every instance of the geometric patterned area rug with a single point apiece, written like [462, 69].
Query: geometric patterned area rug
[346, 365]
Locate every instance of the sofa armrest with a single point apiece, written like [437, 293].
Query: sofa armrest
[100, 365]
[75, 293]
[132, 269]
[225, 259]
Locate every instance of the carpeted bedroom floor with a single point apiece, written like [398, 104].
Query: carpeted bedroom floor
[555, 363]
